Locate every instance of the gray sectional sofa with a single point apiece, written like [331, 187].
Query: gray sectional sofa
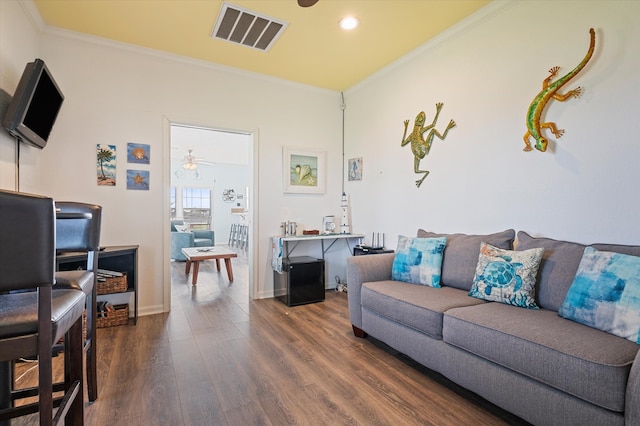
[546, 369]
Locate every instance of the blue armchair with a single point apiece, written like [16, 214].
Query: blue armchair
[193, 238]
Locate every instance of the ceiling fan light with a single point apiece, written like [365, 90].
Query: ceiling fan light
[189, 161]
[349, 23]
[189, 165]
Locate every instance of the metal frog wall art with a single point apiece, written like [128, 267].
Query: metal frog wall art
[550, 91]
[421, 145]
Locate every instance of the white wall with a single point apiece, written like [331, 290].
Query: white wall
[18, 45]
[486, 72]
[115, 94]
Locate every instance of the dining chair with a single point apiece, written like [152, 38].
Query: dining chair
[78, 230]
[33, 317]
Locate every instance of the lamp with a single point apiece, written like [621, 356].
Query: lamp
[189, 162]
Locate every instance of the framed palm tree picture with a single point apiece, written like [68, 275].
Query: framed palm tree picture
[106, 165]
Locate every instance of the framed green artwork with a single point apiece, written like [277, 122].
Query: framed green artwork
[304, 171]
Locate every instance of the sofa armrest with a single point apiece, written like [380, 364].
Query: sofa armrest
[178, 241]
[632, 397]
[362, 269]
[203, 233]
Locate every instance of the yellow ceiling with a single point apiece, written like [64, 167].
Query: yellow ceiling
[312, 50]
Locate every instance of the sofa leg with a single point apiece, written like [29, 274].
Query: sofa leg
[358, 332]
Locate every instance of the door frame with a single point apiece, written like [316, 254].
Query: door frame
[252, 254]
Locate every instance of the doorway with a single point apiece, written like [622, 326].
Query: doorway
[211, 185]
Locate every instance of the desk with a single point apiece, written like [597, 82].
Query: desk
[282, 249]
[348, 238]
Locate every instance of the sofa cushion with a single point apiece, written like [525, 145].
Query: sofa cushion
[547, 348]
[605, 293]
[559, 264]
[418, 260]
[461, 254]
[618, 248]
[416, 306]
[507, 276]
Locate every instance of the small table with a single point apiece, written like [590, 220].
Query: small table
[196, 254]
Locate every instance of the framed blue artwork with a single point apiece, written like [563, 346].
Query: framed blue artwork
[138, 180]
[355, 168]
[138, 153]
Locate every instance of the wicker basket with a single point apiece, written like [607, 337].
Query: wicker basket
[113, 285]
[120, 316]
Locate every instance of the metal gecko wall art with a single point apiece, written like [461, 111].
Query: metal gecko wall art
[420, 145]
[549, 92]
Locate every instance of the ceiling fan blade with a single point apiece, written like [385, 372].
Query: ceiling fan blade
[194, 160]
[307, 3]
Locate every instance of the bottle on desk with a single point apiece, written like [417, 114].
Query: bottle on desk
[289, 229]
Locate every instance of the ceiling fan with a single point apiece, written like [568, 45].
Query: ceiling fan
[191, 162]
[307, 3]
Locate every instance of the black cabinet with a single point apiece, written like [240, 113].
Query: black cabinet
[301, 281]
[112, 258]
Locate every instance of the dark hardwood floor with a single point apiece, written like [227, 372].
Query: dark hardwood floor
[221, 359]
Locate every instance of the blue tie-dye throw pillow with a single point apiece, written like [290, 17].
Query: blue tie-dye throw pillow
[605, 294]
[418, 260]
[507, 276]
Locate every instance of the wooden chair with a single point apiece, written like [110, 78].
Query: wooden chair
[78, 230]
[31, 322]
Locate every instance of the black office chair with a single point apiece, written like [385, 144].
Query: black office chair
[31, 322]
[82, 234]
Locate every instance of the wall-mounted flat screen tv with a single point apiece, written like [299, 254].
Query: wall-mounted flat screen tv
[35, 105]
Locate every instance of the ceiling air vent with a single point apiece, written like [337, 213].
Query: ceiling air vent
[242, 26]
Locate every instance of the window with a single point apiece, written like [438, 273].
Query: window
[172, 202]
[196, 207]
[196, 198]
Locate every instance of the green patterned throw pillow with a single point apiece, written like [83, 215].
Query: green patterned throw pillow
[418, 260]
[507, 276]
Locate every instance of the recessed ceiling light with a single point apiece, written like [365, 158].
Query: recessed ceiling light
[348, 23]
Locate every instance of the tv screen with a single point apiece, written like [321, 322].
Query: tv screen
[35, 105]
